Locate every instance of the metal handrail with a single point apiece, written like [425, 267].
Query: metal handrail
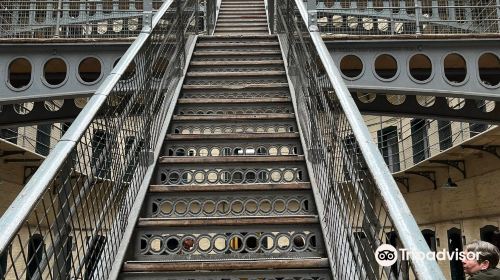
[391, 198]
[82, 193]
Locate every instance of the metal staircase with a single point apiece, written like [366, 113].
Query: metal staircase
[234, 156]
[231, 190]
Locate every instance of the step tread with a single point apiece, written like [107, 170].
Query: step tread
[243, 44]
[227, 221]
[142, 266]
[214, 37]
[233, 136]
[236, 63]
[224, 52]
[229, 187]
[235, 74]
[232, 101]
[242, 86]
[233, 117]
[229, 159]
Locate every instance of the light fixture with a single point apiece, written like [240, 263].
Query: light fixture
[450, 184]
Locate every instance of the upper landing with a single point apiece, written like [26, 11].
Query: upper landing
[406, 19]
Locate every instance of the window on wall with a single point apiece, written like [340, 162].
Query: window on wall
[455, 244]
[430, 238]
[3, 264]
[96, 247]
[401, 268]
[9, 134]
[353, 160]
[101, 158]
[490, 234]
[388, 146]
[43, 139]
[134, 161]
[476, 128]
[444, 132]
[420, 140]
[35, 254]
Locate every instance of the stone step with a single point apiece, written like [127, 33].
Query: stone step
[238, 265]
[229, 187]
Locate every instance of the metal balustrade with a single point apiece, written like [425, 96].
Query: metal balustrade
[396, 140]
[80, 18]
[390, 18]
[358, 201]
[69, 219]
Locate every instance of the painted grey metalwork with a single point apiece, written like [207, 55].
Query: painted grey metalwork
[73, 19]
[359, 203]
[445, 108]
[229, 242]
[47, 82]
[298, 274]
[230, 204]
[78, 200]
[434, 67]
[391, 18]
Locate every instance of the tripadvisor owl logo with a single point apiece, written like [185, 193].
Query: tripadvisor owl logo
[386, 255]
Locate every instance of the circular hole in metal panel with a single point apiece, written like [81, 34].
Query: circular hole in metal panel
[489, 69]
[351, 66]
[420, 67]
[20, 71]
[455, 68]
[386, 66]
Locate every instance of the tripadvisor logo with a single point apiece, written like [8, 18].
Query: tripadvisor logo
[387, 255]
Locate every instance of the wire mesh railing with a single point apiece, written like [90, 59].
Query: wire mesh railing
[405, 142]
[68, 220]
[359, 203]
[104, 19]
[39, 139]
[415, 17]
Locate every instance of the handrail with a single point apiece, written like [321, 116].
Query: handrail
[82, 193]
[392, 201]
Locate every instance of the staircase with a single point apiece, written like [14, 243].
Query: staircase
[231, 198]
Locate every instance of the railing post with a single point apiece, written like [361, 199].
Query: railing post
[418, 11]
[312, 18]
[498, 15]
[271, 7]
[147, 14]
[58, 18]
[196, 16]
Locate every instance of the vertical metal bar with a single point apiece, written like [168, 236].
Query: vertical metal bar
[312, 15]
[58, 18]
[418, 11]
[196, 16]
[498, 15]
[147, 14]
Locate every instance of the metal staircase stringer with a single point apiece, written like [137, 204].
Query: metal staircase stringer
[141, 195]
[312, 178]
